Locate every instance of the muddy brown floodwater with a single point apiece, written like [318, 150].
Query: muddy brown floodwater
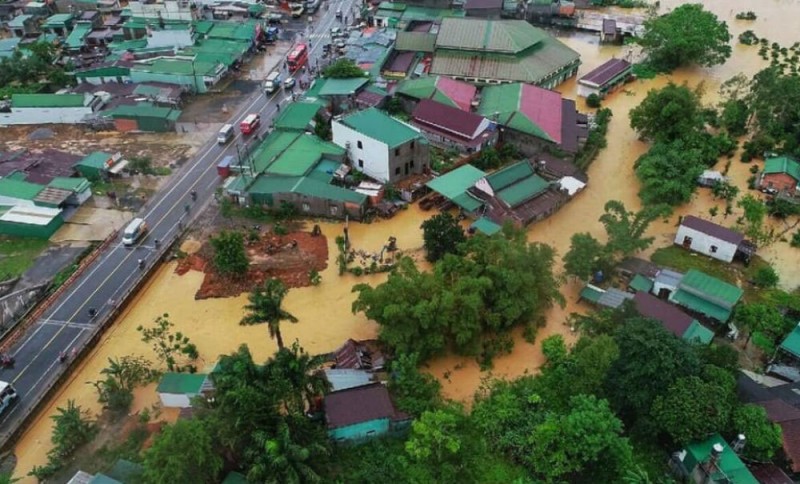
[324, 310]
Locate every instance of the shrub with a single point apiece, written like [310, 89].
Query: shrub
[593, 101]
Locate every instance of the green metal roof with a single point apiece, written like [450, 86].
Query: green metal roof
[506, 36]
[302, 155]
[179, 67]
[203, 26]
[415, 41]
[57, 20]
[791, 343]
[127, 45]
[467, 201]
[272, 146]
[509, 175]
[234, 30]
[697, 333]
[144, 110]
[298, 115]
[79, 32]
[234, 478]
[783, 164]
[523, 190]
[701, 305]
[456, 182]
[641, 283]
[711, 288]
[181, 383]
[380, 126]
[324, 170]
[76, 185]
[19, 21]
[305, 186]
[399, 7]
[8, 45]
[502, 105]
[96, 159]
[48, 100]
[19, 189]
[342, 87]
[486, 226]
[733, 469]
[591, 294]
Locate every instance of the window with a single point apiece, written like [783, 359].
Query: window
[360, 163]
[334, 210]
[397, 152]
[411, 163]
[360, 145]
[412, 145]
[713, 249]
[397, 171]
[306, 207]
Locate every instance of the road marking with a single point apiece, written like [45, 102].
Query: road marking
[67, 323]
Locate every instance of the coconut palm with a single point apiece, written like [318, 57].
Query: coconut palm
[280, 459]
[302, 372]
[265, 307]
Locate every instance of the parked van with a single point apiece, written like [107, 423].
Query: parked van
[272, 82]
[250, 124]
[7, 394]
[134, 231]
[225, 134]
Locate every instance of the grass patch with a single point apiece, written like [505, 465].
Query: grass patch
[18, 254]
[644, 71]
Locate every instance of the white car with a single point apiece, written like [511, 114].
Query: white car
[289, 83]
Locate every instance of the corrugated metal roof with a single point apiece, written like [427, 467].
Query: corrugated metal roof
[96, 159]
[52, 196]
[486, 226]
[526, 108]
[380, 126]
[415, 41]
[509, 175]
[298, 115]
[342, 87]
[783, 164]
[523, 190]
[302, 155]
[75, 38]
[591, 293]
[456, 182]
[732, 467]
[48, 100]
[342, 379]
[711, 229]
[19, 189]
[700, 305]
[504, 36]
[608, 71]
[76, 185]
[181, 383]
[30, 215]
[357, 405]
[641, 283]
[712, 288]
[791, 343]
[697, 333]
[613, 297]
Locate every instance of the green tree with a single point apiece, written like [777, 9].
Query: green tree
[436, 442]
[554, 350]
[302, 373]
[668, 173]
[322, 127]
[687, 35]
[73, 428]
[280, 459]
[764, 438]
[342, 69]
[182, 452]
[763, 318]
[122, 375]
[781, 207]
[753, 219]
[586, 255]
[773, 99]
[175, 351]
[441, 234]
[584, 443]
[668, 114]
[735, 113]
[695, 407]
[413, 391]
[593, 100]
[650, 361]
[230, 258]
[766, 277]
[265, 307]
[626, 229]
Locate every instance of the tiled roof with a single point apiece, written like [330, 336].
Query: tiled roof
[502, 36]
[380, 126]
[606, 72]
[452, 120]
[783, 164]
[713, 230]
[358, 405]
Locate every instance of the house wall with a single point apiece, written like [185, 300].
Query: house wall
[659, 286]
[175, 400]
[99, 80]
[409, 158]
[316, 206]
[77, 199]
[779, 181]
[446, 143]
[125, 125]
[527, 144]
[29, 230]
[705, 244]
[168, 10]
[373, 156]
[45, 115]
[586, 91]
[360, 431]
[192, 82]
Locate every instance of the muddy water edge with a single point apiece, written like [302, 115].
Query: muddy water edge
[324, 310]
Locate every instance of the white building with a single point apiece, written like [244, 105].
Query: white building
[382, 147]
[176, 37]
[164, 9]
[50, 108]
[708, 238]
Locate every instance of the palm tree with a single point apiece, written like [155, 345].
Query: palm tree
[281, 460]
[302, 371]
[265, 307]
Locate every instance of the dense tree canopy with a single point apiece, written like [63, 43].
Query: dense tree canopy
[586, 255]
[687, 35]
[626, 228]
[182, 452]
[441, 235]
[763, 437]
[668, 114]
[230, 258]
[668, 173]
[499, 283]
[342, 69]
[773, 99]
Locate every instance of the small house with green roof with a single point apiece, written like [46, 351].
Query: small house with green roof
[23, 25]
[456, 94]
[781, 174]
[196, 75]
[712, 461]
[59, 24]
[299, 116]
[99, 165]
[144, 117]
[51, 108]
[176, 390]
[380, 146]
[485, 51]
[791, 344]
[706, 296]
[534, 118]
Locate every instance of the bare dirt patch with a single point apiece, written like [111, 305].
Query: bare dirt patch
[290, 258]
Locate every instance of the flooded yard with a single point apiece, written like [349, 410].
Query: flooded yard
[325, 318]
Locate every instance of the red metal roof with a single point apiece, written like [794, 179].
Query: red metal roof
[673, 319]
[606, 72]
[544, 108]
[452, 120]
[460, 92]
[791, 442]
[357, 405]
[779, 411]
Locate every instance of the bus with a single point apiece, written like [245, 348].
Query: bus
[7, 394]
[297, 57]
[250, 124]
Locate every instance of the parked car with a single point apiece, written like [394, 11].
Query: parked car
[289, 83]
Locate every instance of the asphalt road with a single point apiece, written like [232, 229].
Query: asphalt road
[66, 325]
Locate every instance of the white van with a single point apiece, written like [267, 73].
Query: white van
[225, 134]
[7, 394]
[134, 231]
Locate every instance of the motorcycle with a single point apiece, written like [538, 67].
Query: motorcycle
[7, 361]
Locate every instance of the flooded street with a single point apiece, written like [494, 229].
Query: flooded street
[325, 318]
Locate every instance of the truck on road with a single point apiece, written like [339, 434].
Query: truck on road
[272, 82]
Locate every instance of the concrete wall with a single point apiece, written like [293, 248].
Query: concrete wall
[407, 159]
[316, 206]
[360, 431]
[705, 244]
[45, 115]
[527, 144]
[373, 156]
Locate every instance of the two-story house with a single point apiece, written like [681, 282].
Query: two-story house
[380, 146]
